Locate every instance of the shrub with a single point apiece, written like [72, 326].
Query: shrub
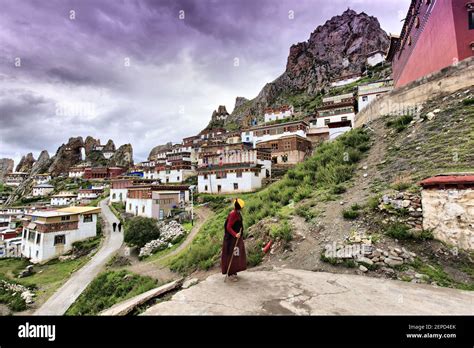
[305, 212]
[141, 230]
[338, 189]
[400, 123]
[282, 231]
[468, 101]
[398, 230]
[350, 214]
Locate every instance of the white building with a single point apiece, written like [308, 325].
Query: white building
[375, 58]
[49, 234]
[42, 190]
[63, 198]
[156, 201]
[345, 80]
[10, 247]
[231, 178]
[274, 114]
[371, 91]
[76, 172]
[262, 133]
[42, 179]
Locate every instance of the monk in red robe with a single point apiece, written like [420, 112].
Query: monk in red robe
[234, 243]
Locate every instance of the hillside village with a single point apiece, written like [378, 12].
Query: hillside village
[331, 183]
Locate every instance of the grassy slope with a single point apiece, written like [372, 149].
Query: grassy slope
[331, 165]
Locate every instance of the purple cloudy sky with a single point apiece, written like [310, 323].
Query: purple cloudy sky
[133, 71]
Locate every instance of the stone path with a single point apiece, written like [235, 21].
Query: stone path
[282, 291]
[65, 296]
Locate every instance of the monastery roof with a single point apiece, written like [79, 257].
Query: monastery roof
[442, 180]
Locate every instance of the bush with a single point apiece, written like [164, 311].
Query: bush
[305, 212]
[350, 214]
[108, 289]
[338, 189]
[282, 231]
[400, 123]
[14, 301]
[398, 230]
[468, 101]
[141, 230]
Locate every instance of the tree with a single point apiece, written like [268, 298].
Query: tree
[141, 230]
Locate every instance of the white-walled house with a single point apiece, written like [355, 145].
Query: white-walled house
[345, 80]
[76, 172]
[274, 114]
[262, 133]
[63, 198]
[369, 92]
[42, 190]
[155, 201]
[49, 234]
[375, 58]
[231, 178]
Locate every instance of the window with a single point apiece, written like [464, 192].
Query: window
[239, 174]
[31, 236]
[344, 118]
[60, 239]
[143, 209]
[365, 98]
[88, 218]
[471, 20]
[130, 206]
[275, 146]
[256, 174]
[38, 238]
[236, 186]
[65, 218]
[177, 178]
[114, 196]
[417, 22]
[219, 188]
[205, 176]
[205, 187]
[326, 121]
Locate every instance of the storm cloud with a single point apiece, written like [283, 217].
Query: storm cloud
[144, 72]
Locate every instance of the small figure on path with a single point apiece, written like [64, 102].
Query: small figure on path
[233, 257]
[120, 226]
[114, 226]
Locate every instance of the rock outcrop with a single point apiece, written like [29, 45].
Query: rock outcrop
[110, 146]
[6, 167]
[337, 48]
[157, 149]
[123, 157]
[26, 163]
[218, 117]
[67, 155]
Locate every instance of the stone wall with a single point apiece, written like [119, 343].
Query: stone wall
[410, 97]
[450, 214]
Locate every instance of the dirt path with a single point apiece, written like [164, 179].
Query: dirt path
[298, 292]
[65, 296]
[155, 268]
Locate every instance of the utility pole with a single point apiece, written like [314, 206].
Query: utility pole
[191, 189]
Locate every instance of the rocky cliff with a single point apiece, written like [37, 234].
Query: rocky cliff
[337, 48]
[157, 149]
[67, 155]
[123, 157]
[26, 163]
[6, 166]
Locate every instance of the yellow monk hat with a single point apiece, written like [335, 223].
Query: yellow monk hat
[240, 201]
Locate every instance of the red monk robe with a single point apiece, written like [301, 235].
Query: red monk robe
[233, 225]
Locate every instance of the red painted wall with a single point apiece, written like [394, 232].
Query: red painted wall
[442, 37]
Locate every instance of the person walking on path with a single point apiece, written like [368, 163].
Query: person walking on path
[233, 257]
[114, 226]
[120, 227]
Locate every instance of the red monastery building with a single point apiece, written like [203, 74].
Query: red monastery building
[436, 34]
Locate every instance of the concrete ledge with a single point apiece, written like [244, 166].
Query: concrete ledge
[125, 307]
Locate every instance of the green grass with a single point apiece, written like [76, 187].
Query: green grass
[352, 213]
[108, 289]
[282, 231]
[398, 230]
[47, 277]
[400, 123]
[13, 300]
[468, 101]
[318, 175]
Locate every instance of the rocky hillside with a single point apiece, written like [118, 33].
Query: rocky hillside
[26, 163]
[6, 166]
[337, 48]
[157, 149]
